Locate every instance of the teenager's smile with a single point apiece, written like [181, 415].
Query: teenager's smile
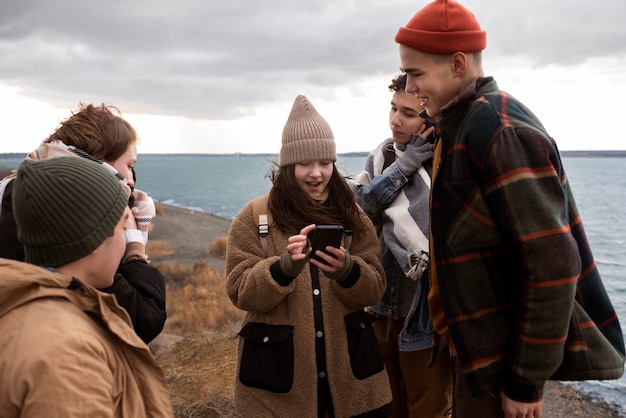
[314, 176]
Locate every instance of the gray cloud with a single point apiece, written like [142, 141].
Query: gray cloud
[219, 59]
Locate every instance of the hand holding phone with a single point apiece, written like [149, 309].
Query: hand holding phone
[323, 236]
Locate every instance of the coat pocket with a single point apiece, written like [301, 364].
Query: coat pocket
[365, 359]
[267, 358]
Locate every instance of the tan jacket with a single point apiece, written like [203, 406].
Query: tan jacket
[71, 351]
[279, 351]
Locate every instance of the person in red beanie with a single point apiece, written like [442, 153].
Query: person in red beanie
[516, 293]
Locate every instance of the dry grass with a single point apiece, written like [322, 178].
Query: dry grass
[218, 247]
[197, 348]
[200, 374]
[196, 299]
[158, 248]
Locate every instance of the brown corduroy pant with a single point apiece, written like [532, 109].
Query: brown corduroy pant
[418, 391]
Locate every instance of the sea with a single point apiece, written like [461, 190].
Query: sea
[222, 184]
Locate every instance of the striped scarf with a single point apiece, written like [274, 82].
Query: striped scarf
[58, 149]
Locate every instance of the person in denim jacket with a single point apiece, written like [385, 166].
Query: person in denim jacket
[394, 190]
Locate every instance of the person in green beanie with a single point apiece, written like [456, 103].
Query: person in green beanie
[100, 133]
[69, 349]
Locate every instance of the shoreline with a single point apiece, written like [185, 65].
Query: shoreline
[565, 153]
[189, 233]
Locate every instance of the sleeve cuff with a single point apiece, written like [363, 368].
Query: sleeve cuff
[133, 235]
[135, 251]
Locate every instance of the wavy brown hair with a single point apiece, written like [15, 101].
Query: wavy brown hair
[98, 130]
[292, 208]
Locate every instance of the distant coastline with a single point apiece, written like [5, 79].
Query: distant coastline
[607, 153]
[579, 153]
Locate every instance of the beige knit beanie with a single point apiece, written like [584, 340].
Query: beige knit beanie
[306, 136]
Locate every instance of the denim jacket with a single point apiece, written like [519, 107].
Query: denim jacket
[417, 333]
[374, 198]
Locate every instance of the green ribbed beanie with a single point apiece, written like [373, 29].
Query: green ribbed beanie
[65, 208]
[306, 136]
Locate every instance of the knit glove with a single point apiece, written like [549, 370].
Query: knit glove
[417, 152]
[292, 267]
[143, 211]
[343, 273]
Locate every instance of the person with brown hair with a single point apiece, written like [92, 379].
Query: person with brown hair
[69, 350]
[516, 293]
[100, 133]
[307, 347]
[394, 190]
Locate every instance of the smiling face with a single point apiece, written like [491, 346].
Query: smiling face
[404, 118]
[313, 177]
[432, 79]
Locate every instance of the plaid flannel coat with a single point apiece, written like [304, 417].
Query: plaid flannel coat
[519, 287]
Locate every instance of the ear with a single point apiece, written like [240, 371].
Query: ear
[459, 63]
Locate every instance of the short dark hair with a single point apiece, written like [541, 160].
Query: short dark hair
[398, 83]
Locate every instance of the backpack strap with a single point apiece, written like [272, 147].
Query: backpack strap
[390, 154]
[262, 218]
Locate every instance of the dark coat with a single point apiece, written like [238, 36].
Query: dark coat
[522, 297]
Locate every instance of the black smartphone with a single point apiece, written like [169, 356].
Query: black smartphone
[325, 235]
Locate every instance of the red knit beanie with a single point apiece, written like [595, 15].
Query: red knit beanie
[443, 27]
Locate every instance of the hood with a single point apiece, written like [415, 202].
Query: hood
[24, 283]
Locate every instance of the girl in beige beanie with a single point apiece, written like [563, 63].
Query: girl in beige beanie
[307, 347]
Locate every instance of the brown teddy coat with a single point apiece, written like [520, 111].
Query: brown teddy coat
[302, 333]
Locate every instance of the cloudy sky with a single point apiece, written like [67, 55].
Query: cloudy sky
[220, 76]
